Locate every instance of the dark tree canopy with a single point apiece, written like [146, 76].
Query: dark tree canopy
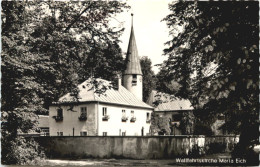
[149, 80]
[214, 56]
[164, 84]
[47, 49]
[160, 125]
[187, 123]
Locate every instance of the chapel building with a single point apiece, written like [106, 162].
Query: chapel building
[117, 112]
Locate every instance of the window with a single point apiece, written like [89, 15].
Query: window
[123, 112]
[83, 111]
[60, 133]
[124, 117]
[104, 111]
[133, 118]
[134, 81]
[59, 116]
[123, 133]
[176, 117]
[45, 132]
[83, 114]
[148, 119]
[83, 133]
[147, 116]
[60, 112]
[104, 133]
[172, 116]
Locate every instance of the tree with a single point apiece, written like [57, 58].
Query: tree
[213, 55]
[166, 84]
[149, 80]
[187, 123]
[45, 47]
[160, 125]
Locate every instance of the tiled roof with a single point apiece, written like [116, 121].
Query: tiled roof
[43, 121]
[120, 97]
[132, 59]
[168, 104]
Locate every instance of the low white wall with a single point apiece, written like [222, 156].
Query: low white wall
[141, 147]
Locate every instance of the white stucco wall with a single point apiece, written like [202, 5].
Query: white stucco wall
[70, 121]
[114, 125]
[137, 89]
[94, 126]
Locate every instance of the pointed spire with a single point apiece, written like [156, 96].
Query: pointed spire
[132, 59]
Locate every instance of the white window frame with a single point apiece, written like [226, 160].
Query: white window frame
[104, 111]
[123, 112]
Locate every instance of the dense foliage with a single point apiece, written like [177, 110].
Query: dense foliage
[187, 123]
[214, 56]
[149, 80]
[47, 49]
[160, 125]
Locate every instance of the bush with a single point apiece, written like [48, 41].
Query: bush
[202, 129]
[215, 148]
[21, 151]
[196, 151]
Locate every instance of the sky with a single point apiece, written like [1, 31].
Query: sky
[150, 32]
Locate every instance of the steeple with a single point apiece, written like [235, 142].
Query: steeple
[132, 77]
[132, 59]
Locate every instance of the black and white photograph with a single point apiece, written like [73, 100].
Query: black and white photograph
[129, 83]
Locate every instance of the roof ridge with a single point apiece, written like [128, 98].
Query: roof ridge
[172, 104]
[136, 97]
[113, 96]
[94, 97]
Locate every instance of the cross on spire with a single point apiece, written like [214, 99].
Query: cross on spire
[132, 18]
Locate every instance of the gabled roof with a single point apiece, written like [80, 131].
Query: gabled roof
[168, 104]
[132, 59]
[118, 97]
